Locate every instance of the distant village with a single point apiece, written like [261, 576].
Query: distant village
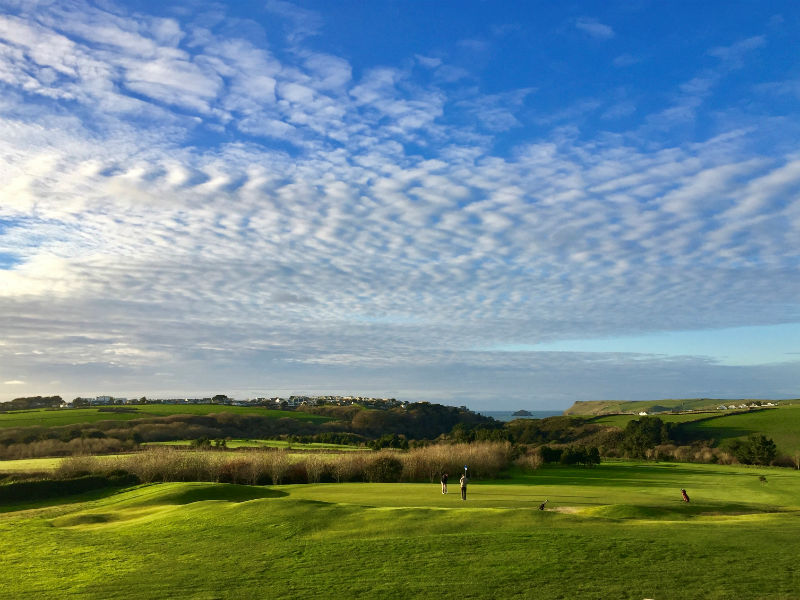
[275, 402]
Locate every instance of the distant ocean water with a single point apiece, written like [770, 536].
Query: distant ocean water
[508, 415]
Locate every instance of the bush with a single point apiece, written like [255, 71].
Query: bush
[77, 466]
[578, 455]
[757, 450]
[550, 455]
[530, 460]
[384, 469]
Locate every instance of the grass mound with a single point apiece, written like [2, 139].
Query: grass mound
[157, 500]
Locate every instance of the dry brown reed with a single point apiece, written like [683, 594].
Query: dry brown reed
[270, 466]
[530, 460]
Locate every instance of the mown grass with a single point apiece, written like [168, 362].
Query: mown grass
[74, 416]
[616, 531]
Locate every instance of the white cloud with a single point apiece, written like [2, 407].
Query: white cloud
[595, 28]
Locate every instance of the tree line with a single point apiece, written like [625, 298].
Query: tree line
[32, 402]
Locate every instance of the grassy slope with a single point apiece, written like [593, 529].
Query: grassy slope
[632, 539]
[781, 424]
[622, 420]
[71, 416]
[601, 407]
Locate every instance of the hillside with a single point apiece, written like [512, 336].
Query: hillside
[781, 424]
[610, 407]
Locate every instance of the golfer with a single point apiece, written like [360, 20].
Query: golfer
[464, 479]
[444, 483]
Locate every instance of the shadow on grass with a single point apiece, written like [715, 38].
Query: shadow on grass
[677, 511]
[98, 494]
[228, 492]
[701, 430]
[183, 495]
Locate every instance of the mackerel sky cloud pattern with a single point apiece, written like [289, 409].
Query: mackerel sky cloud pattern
[239, 198]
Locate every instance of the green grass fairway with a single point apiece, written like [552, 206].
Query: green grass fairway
[72, 416]
[616, 531]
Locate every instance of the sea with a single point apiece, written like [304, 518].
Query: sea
[508, 415]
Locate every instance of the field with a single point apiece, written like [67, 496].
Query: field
[616, 531]
[601, 407]
[781, 424]
[72, 416]
[269, 444]
[29, 465]
[622, 420]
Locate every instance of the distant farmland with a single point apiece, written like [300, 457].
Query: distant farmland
[73, 416]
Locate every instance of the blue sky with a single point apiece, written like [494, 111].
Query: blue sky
[497, 204]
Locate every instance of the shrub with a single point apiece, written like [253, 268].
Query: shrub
[236, 470]
[530, 460]
[757, 450]
[485, 460]
[551, 455]
[384, 469]
[315, 468]
[77, 466]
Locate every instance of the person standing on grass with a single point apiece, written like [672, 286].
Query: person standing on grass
[444, 483]
[464, 480]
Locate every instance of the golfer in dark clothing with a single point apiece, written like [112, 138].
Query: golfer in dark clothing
[464, 486]
[444, 483]
[685, 495]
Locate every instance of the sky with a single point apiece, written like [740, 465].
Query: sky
[494, 204]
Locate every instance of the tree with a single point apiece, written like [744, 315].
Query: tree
[550, 455]
[757, 450]
[35, 402]
[645, 433]
[80, 403]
